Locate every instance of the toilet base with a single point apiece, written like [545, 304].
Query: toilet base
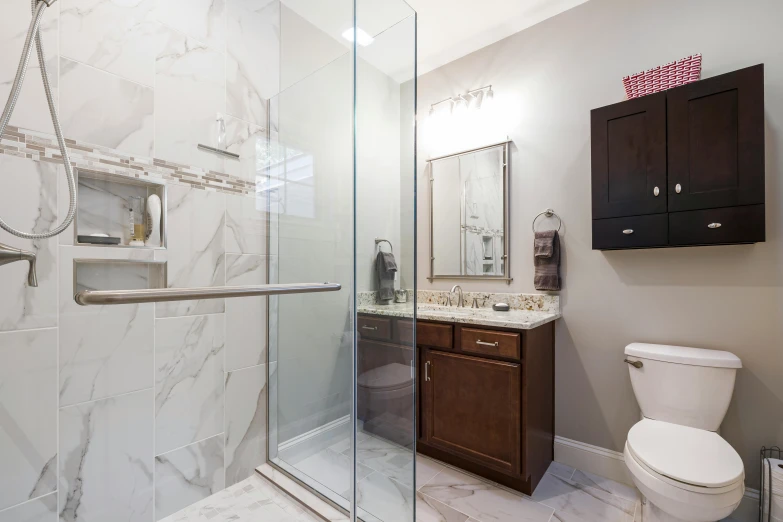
[652, 513]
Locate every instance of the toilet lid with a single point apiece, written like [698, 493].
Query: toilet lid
[390, 376]
[689, 455]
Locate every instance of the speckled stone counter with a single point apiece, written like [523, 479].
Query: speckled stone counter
[528, 310]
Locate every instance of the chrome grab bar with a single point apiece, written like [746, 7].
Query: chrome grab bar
[161, 295]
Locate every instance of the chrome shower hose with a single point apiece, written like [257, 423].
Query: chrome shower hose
[38, 8]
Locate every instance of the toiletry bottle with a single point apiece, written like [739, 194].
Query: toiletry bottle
[136, 221]
[154, 209]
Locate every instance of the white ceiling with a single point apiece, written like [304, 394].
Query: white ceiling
[450, 29]
[447, 29]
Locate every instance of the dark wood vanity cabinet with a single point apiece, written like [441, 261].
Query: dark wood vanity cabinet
[681, 167]
[486, 400]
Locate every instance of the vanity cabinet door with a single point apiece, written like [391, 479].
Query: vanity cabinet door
[716, 141]
[471, 408]
[629, 157]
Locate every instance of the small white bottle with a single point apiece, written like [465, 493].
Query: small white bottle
[154, 211]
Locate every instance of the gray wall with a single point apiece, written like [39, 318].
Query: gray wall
[547, 79]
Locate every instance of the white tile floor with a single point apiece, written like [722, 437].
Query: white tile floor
[444, 494]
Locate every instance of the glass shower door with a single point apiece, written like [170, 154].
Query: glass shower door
[340, 178]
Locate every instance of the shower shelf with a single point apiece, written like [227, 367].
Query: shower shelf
[116, 274]
[102, 207]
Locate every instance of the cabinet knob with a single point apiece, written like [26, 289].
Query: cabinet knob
[678, 188]
[656, 191]
[628, 231]
[714, 225]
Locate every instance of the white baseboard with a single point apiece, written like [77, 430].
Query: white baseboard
[611, 464]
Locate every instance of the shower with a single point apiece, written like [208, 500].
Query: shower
[11, 254]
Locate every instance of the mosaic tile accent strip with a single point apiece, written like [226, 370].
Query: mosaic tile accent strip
[43, 147]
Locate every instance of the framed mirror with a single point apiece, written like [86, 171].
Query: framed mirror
[469, 214]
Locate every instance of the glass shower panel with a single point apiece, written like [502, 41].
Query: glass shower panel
[311, 187]
[341, 175]
[385, 209]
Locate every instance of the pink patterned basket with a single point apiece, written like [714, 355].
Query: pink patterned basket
[674, 74]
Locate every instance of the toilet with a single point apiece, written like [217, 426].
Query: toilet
[677, 459]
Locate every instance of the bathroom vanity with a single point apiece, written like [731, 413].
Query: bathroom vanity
[485, 400]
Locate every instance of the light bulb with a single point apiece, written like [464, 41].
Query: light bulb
[489, 98]
[460, 107]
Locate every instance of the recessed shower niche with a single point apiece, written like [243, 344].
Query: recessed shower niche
[118, 274]
[112, 211]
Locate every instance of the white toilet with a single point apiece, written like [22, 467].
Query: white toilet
[684, 469]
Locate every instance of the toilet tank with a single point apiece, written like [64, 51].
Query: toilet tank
[681, 385]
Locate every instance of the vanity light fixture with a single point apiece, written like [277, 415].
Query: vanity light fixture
[473, 100]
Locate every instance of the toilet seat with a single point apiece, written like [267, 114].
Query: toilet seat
[394, 377]
[688, 458]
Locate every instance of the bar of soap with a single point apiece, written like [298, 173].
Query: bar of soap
[501, 307]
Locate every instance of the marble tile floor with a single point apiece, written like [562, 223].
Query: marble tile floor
[444, 493]
[251, 500]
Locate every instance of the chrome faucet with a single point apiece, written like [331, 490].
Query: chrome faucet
[10, 254]
[460, 301]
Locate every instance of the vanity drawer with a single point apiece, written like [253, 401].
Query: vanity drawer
[631, 232]
[700, 227]
[490, 342]
[374, 328]
[405, 331]
[434, 335]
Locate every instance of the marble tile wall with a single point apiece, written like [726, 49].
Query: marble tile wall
[158, 406]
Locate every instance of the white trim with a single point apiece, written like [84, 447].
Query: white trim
[313, 433]
[611, 464]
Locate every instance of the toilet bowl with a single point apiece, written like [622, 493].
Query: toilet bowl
[686, 471]
[385, 402]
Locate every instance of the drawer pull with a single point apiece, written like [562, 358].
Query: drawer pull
[365, 327]
[678, 188]
[427, 371]
[484, 343]
[628, 231]
[714, 225]
[656, 191]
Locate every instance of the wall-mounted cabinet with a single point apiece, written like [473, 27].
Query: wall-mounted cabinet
[682, 167]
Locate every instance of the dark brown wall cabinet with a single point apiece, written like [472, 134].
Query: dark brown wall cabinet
[682, 167]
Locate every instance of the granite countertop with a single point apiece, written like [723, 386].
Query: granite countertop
[514, 318]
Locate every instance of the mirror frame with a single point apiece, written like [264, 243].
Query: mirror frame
[506, 235]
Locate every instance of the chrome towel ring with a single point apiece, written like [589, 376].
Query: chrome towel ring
[378, 241]
[548, 213]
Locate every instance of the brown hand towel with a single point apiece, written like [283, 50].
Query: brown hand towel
[546, 260]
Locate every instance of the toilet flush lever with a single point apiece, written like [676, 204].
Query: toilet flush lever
[635, 364]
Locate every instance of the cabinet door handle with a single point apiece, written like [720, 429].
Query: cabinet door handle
[628, 231]
[365, 327]
[714, 225]
[484, 343]
[427, 371]
[656, 191]
[678, 188]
